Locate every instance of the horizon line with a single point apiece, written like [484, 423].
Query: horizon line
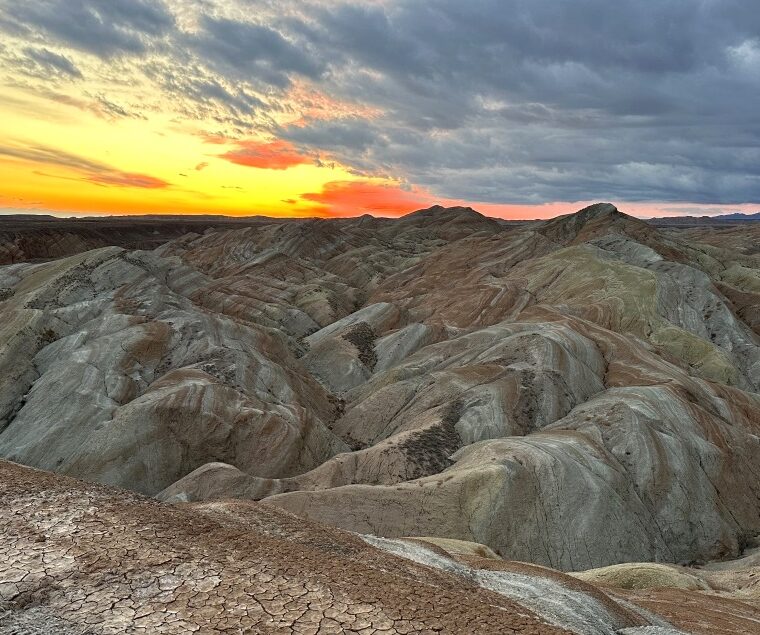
[74, 215]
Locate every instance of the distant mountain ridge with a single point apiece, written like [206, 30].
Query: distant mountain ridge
[706, 220]
[738, 216]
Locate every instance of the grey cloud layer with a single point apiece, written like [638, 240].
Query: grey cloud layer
[102, 27]
[254, 49]
[45, 62]
[508, 100]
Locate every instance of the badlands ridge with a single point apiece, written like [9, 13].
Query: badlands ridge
[499, 415]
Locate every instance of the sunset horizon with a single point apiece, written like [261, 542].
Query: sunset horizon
[501, 212]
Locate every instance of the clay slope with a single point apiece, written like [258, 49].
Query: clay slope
[86, 559]
[530, 388]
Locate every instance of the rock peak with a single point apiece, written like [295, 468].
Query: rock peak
[598, 210]
[590, 221]
[449, 211]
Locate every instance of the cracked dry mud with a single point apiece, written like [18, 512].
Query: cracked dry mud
[78, 558]
[86, 559]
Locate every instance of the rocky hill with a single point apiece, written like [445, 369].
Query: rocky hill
[574, 394]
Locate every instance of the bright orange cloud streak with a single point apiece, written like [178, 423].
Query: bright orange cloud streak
[351, 198]
[271, 155]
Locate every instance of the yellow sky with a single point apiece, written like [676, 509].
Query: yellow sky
[67, 156]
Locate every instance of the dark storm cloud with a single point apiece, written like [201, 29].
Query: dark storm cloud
[352, 135]
[252, 49]
[498, 44]
[527, 101]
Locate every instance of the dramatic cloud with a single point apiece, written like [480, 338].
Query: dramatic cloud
[252, 49]
[273, 155]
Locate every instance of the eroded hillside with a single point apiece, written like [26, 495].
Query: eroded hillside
[576, 393]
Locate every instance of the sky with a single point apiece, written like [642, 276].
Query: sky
[518, 108]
